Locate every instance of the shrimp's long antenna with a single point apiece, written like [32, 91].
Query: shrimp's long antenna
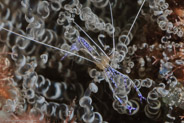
[91, 39]
[135, 20]
[114, 45]
[47, 45]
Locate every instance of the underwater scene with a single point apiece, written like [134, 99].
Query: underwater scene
[91, 61]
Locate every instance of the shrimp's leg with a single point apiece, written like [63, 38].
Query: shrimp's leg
[120, 100]
[111, 77]
[86, 45]
[74, 47]
[124, 76]
[91, 39]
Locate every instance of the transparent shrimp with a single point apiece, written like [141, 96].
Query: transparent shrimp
[102, 62]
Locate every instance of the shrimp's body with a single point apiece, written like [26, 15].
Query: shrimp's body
[103, 64]
[101, 61]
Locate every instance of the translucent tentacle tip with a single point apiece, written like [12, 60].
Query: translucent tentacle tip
[130, 109]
